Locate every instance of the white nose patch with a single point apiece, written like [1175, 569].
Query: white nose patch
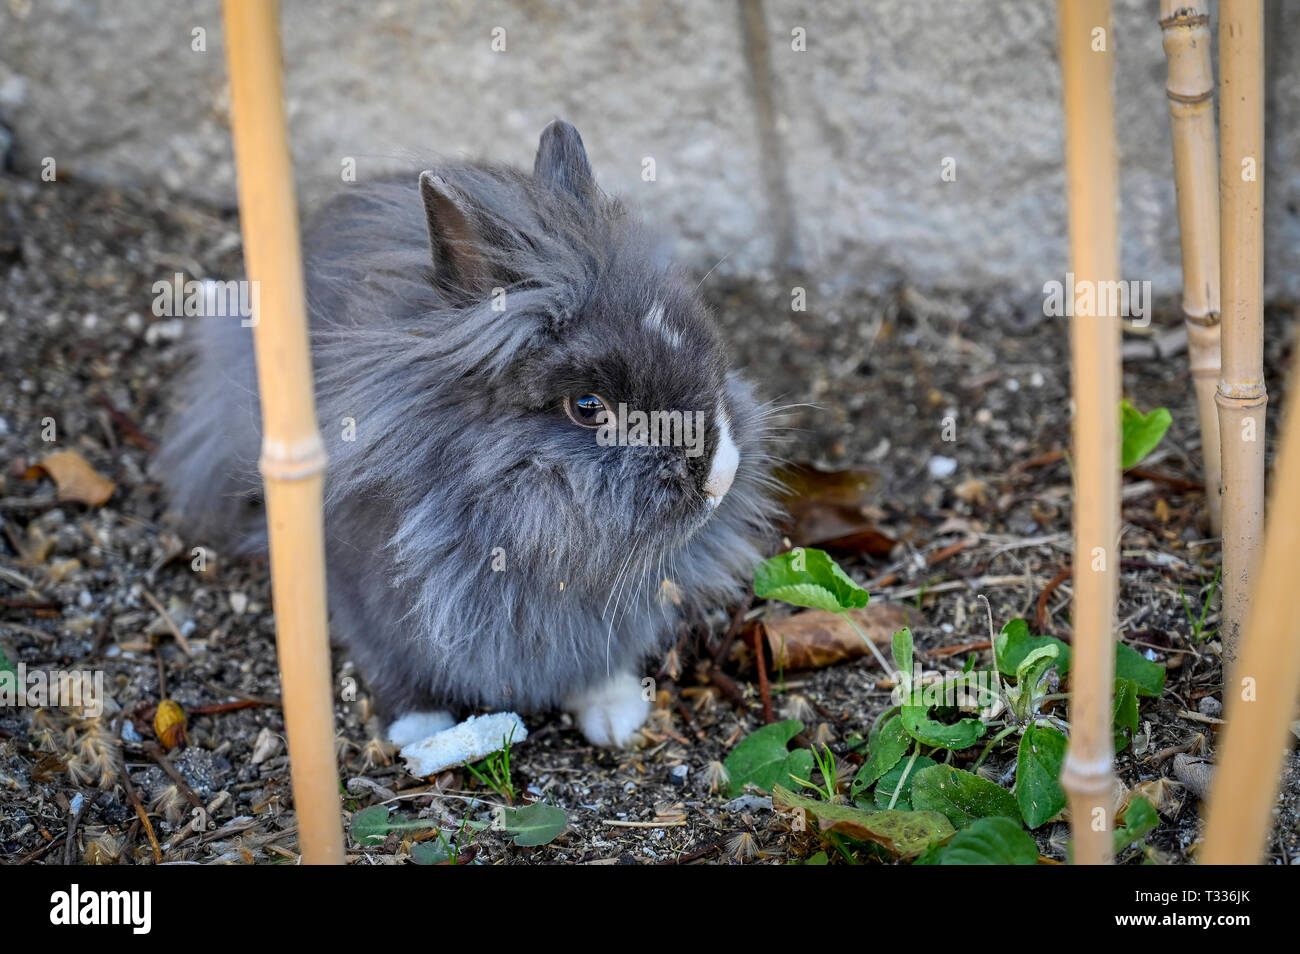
[726, 458]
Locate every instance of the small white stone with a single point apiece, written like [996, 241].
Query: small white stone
[1012, 385]
[267, 745]
[1036, 379]
[942, 467]
[238, 603]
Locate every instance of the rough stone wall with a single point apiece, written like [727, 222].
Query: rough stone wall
[826, 158]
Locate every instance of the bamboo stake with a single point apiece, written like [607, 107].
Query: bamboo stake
[1261, 696]
[1185, 26]
[1242, 400]
[293, 457]
[1092, 174]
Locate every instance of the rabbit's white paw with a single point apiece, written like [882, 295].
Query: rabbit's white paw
[418, 726]
[610, 713]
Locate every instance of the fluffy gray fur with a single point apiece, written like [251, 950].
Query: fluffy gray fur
[463, 451]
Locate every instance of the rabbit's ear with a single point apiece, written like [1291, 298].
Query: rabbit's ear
[458, 248]
[562, 162]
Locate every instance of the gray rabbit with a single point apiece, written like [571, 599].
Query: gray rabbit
[501, 528]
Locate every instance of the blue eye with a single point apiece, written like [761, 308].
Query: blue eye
[585, 410]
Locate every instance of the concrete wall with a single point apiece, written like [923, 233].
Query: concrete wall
[828, 159]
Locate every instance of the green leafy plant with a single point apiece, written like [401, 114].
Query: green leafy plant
[1199, 635]
[764, 759]
[1038, 771]
[537, 823]
[1140, 433]
[909, 799]
[962, 797]
[494, 771]
[826, 766]
[531, 825]
[445, 850]
[989, 841]
[372, 825]
[894, 790]
[1138, 821]
[903, 833]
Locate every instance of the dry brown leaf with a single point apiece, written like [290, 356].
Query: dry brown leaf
[76, 480]
[1160, 792]
[829, 509]
[816, 638]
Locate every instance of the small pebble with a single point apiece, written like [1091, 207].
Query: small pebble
[163, 331]
[748, 803]
[238, 603]
[266, 745]
[1209, 706]
[941, 467]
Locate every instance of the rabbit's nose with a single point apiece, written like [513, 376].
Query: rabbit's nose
[726, 458]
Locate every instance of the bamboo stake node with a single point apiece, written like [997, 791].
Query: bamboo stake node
[1091, 775]
[297, 460]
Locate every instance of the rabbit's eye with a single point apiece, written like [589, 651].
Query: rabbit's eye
[586, 410]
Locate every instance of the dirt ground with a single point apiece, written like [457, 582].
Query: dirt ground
[870, 379]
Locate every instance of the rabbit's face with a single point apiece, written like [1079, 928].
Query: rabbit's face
[630, 403]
